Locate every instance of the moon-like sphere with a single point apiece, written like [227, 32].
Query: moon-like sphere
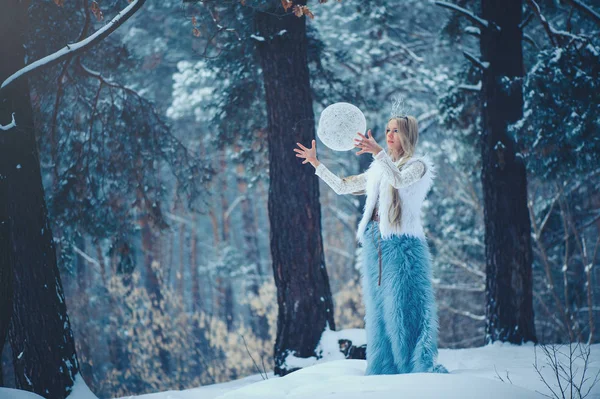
[339, 124]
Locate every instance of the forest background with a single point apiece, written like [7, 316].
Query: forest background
[157, 158]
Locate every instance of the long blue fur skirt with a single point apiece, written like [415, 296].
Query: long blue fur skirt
[401, 316]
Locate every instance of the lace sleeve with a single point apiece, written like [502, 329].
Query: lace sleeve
[354, 185]
[400, 177]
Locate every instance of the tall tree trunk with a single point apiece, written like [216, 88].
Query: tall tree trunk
[303, 292]
[223, 197]
[6, 291]
[154, 284]
[182, 247]
[196, 298]
[260, 324]
[224, 299]
[250, 228]
[508, 250]
[40, 332]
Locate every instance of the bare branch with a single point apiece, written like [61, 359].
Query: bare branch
[539, 371]
[463, 313]
[547, 268]
[529, 39]
[483, 65]
[85, 256]
[59, 92]
[460, 287]
[253, 361]
[455, 261]
[473, 31]
[586, 9]
[550, 314]
[557, 38]
[475, 88]
[536, 9]
[526, 20]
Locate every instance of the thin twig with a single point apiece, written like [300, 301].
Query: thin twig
[253, 361]
[586, 9]
[482, 23]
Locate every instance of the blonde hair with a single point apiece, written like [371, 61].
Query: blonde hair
[409, 138]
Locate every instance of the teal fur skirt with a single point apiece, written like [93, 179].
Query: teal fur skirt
[401, 317]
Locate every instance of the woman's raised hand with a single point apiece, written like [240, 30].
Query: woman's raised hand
[309, 154]
[367, 144]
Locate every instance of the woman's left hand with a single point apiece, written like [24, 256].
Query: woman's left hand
[367, 144]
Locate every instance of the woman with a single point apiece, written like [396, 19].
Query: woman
[401, 317]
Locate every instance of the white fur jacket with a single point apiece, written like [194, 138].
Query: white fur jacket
[412, 181]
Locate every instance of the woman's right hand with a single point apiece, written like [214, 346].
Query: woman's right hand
[309, 154]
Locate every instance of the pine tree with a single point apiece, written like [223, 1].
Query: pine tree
[303, 292]
[509, 309]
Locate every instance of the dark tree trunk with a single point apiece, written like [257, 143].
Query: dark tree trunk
[224, 300]
[6, 291]
[196, 298]
[154, 284]
[508, 250]
[40, 333]
[303, 293]
[223, 198]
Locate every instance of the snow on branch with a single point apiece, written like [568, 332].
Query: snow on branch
[75, 48]
[544, 22]
[473, 30]
[463, 313]
[557, 38]
[529, 39]
[483, 65]
[460, 287]
[471, 16]
[586, 9]
[82, 69]
[475, 87]
[10, 125]
[85, 256]
[526, 20]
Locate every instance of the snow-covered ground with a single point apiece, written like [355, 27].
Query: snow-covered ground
[496, 371]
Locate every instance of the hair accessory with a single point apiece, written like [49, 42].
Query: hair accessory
[399, 109]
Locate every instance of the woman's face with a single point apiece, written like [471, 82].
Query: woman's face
[393, 137]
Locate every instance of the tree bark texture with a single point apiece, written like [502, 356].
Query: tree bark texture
[40, 332]
[154, 284]
[509, 307]
[303, 292]
[6, 291]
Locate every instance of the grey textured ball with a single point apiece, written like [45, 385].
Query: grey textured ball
[339, 124]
